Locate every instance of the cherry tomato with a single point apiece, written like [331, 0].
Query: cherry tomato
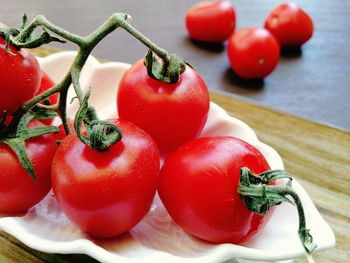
[290, 25]
[61, 134]
[45, 84]
[171, 113]
[253, 53]
[20, 77]
[18, 191]
[106, 193]
[212, 21]
[198, 187]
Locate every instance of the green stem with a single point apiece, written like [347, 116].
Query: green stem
[122, 21]
[42, 21]
[259, 197]
[86, 45]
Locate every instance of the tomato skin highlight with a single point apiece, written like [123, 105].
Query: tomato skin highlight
[253, 53]
[212, 21]
[290, 25]
[20, 77]
[171, 114]
[198, 187]
[18, 190]
[106, 193]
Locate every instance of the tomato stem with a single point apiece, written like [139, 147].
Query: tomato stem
[259, 197]
[86, 45]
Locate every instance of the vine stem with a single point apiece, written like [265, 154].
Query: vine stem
[86, 45]
[259, 197]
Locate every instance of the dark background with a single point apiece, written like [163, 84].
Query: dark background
[314, 85]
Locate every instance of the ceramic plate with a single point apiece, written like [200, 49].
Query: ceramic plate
[157, 238]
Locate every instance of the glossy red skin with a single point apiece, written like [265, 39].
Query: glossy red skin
[290, 25]
[212, 21]
[198, 187]
[18, 191]
[106, 193]
[171, 113]
[45, 84]
[253, 53]
[20, 77]
[61, 134]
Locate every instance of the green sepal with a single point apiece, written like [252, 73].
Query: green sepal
[168, 70]
[19, 148]
[16, 140]
[257, 196]
[100, 135]
[39, 40]
[6, 33]
[24, 21]
[41, 113]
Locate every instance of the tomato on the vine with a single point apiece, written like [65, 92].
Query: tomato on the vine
[198, 187]
[171, 113]
[253, 53]
[106, 193]
[20, 76]
[45, 84]
[290, 25]
[18, 190]
[212, 21]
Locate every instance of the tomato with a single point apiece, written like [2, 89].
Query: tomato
[61, 134]
[171, 113]
[18, 190]
[198, 187]
[253, 53]
[212, 21]
[106, 193]
[45, 84]
[20, 77]
[290, 25]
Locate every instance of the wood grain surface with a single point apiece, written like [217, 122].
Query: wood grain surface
[317, 155]
[314, 84]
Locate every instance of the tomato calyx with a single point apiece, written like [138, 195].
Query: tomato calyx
[100, 134]
[16, 138]
[27, 40]
[259, 197]
[168, 71]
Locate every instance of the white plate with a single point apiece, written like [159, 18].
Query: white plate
[156, 238]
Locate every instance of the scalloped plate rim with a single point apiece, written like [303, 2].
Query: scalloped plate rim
[220, 252]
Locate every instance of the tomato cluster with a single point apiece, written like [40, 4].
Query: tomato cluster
[252, 52]
[107, 192]
[162, 110]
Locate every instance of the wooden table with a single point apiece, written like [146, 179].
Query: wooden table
[314, 86]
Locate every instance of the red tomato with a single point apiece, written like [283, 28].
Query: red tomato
[290, 25]
[18, 191]
[45, 84]
[106, 193]
[198, 187]
[253, 53]
[171, 113]
[61, 134]
[20, 77]
[212, 21]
